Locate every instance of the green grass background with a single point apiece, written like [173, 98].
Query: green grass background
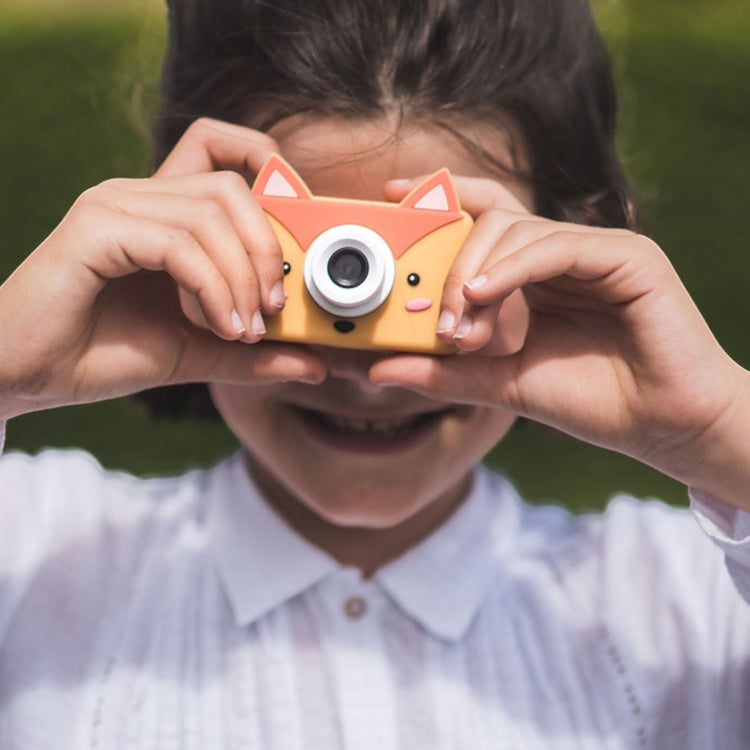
[80, 81]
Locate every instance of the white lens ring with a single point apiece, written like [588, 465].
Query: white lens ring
[349, 302]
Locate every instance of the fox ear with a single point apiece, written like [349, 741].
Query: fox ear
[436, 193]
[277, 179]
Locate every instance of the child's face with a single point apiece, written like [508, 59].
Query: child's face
[354, 453]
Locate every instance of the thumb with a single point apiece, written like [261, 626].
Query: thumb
[476, 194]
[461, 379]
[210, 359]
[397, 190]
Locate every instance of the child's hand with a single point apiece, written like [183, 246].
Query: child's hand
[614, 350]
[94, 313]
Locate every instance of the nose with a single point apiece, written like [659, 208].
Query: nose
[352, 365]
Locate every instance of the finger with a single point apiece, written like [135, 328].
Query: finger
[209, 145]
[122, 245]
[211, 226]
[560, 253]
[495, 233]
[208, 359]
[496, 330]
[466, 266]
[247, 217]
[476, 327]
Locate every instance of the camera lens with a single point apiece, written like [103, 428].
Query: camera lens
[349, 270]
[348, 267]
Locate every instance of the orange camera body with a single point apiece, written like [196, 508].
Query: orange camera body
[362, 274]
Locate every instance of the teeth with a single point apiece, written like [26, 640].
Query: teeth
[377, 427]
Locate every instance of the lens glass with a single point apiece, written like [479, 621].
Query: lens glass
[348, 267]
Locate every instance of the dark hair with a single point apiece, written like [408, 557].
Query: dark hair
[538, 64]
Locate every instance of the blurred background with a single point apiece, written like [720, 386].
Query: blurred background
[79, 86]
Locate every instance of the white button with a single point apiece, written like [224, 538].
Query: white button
[355, 607]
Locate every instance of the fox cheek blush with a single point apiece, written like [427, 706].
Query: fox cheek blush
[419, 304]
[352, 265]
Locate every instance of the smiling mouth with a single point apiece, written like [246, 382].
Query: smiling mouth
[360, 430]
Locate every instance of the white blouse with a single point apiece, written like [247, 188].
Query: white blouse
[184, 613]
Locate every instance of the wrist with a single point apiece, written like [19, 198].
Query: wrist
[9, 410]
[12, 404]
[717, 461]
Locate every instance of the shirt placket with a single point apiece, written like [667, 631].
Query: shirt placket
[364, 687]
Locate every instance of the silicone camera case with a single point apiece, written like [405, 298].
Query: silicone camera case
[362, 274]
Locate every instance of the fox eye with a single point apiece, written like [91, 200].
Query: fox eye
[287, 268]
[413, 279]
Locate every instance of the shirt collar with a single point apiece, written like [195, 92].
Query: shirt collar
[441, 583]
[261, 561]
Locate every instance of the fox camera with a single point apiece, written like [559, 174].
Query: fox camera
[362, 274]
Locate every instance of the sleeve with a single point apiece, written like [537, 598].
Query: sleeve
[22, 532]
[51, 506]
[729, 528]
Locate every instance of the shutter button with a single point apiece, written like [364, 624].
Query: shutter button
[355, 607]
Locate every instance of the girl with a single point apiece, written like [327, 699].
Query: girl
[352, 579]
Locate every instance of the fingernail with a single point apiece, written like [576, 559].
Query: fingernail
[277, 297]
[464, 328]
[402, 181]
[477, 282]
[239, 326]
[309, 380]
[446, 322]
[258, 326]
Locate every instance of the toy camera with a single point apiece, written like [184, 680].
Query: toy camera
[362, 274]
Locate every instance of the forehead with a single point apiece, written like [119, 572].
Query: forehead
[354, 158]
